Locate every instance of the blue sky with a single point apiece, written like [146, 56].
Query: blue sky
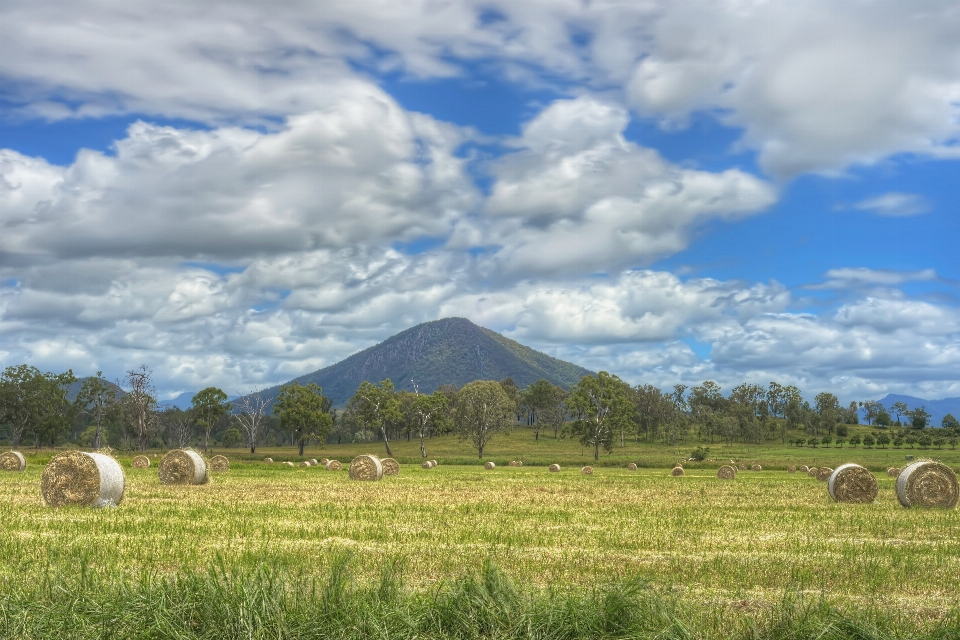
[675, 192]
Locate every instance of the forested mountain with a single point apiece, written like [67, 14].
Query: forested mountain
[448, 351]
[936, 408]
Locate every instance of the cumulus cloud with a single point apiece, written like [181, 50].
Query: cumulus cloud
[860, 277]
[895, 204]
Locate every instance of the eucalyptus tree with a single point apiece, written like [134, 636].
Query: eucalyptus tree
[375, 407]
[209, 406]
[426, 411]
[483, 410]
[98, 399]
[302, 411]
[601, 407]
[34, 403]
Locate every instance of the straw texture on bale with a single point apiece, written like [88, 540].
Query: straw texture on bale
[824, 473]
[677, 472]
[324, 461]
[366, 467]
[756, 467]
[812, 472]
[896, 472]
[219, 463]
[926, 483]
[140, 462]
[804, 468]
[489, 466]
[587, 470]
[726, 472]
[852, 483]
[742, 467]
[631, 467]
[82, 479]
[313, 462]
[434, 462]
[183, 466]
[333, 465]
[13, 461]
[554, 468]
[427, 465]
[516, 463]
[268, 459]
[791, 469]
[305, 464]
[390, 467]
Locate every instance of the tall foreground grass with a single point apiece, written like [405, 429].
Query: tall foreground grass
[264, 547]
[231, 603]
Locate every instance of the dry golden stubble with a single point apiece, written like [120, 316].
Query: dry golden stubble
[82, 479]
[390, 467]
[677, 472]
[219, 463]
[853, 483]
[823, 474]
[184, 467]
[12, 461]
[726, 472]
[366, 467]
[926, 483]
[554, 468]
[140, 462]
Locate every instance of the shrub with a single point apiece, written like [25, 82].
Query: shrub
[854, 440]
[700, 454]
[842, 430]
[868, 440]
[883, 440]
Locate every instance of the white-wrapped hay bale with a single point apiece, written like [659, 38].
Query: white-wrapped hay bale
[631, 467]
[677, 472]
[824, 473]
[140, 462]
[305, 464]
[219, 464]
[554, 468]
[727, 472]
[183, 466]
[366, 468]
[390, 467]
[324, 461]
[586, 471]
[313, 462]
[926, 483]
[12, 461]
[287, 463]
[82, 479]
[852, 483]
[490, 466]
[756, 467]
[333, 465]
[804, 468]
[434, 462]
[427, 465]
[268, 460]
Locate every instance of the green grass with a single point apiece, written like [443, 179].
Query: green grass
[264, 546]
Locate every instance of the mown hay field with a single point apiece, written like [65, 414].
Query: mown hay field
[738, 546]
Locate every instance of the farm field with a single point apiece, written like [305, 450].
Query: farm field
[719, 555]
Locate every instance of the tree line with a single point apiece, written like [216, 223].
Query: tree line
[600, 411]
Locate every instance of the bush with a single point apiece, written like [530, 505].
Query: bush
[842, 430]
[232, 438]
[700, 454]
[854, 440]
[883, 440]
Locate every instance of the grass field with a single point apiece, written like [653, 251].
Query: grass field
[717, 559]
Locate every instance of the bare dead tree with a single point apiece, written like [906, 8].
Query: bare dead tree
[251, 411]
[140, 401]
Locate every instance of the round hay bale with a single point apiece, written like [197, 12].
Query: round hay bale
[804, 468]
[727, 472]
[742, 467]
[677, 472]
[426, 465]
[12, 461]
[631, 467]
[288, 463]
[490, 466]
[333, 465]
[926, 483]
[183, 466]
[554, 468]
[219, 463]
[791, 469]
[896, 472]
[366, 468]
[324, 461]
[756, 467]
[140, 462]
[823, 473]
[390, 467]
[83, 479]
[434, 462]
[852, 483]
[268, 459]
[889, 471]
[313, 462]
[587, 471]
[305, 464]
[812, 472]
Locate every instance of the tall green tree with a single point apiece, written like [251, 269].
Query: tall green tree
[375, 407]
[98, 399]
[302, 412]
[34, 403]
[208, 407]
[601, 406]
[538, 399]
[900, 408]
[483, 410]
[426, 412]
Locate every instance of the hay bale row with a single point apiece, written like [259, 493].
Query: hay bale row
[587, 471]
[812, 472]
[390, 467]
[516, 463]
[82, 479]
[791, 469]
[756, 467]
[333, 465]
[490, 466]
[804, 468]
[893, 472]
[727, 472]
[852, 483]
[677, 472]
[183, 466]
[305, 464]
[287, 463]
[219, 464]
[631, 467]
[140, 462]
[554, 468]
[823, 474]
[12, 461]
[324, 461]
[366, 467]
[926, 483]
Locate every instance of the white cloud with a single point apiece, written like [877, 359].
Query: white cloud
[860, 277]
[895, 204]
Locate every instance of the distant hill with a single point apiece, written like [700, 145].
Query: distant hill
[936, 408]
[185, 400]
[74, 389]
[448, 351]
